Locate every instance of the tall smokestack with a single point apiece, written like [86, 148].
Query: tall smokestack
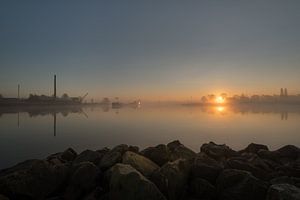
[18, 91]
[54, 86]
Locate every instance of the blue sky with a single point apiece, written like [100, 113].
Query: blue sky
[149, 49]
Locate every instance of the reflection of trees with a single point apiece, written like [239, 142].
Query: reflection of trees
[35, 111]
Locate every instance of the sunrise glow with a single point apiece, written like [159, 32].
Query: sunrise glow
[220, 100]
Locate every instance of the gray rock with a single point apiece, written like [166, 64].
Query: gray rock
[126, 183]
[251, 163]
[134, 149]
[140, 163]
[172, 178]
[88, 156]
[3, 197]
[113, 156]
[67, 156]
[290, 152]
[202, 189]
[283, 192]
[206, 168]
[285, 179]
[82, 181]
[97, 194]
[35, 179]
[159, 154]
[240, 185]
[254, 148]
[218, 151]
[178, 150]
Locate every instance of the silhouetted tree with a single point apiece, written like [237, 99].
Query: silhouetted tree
[1, 96]
[105, 100]
[204, 99]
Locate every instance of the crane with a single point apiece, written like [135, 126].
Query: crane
[83, 97]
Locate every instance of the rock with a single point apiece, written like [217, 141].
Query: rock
[283, 192]
[178, 150]
[97, 194]
[126, 183]
[289, 152]
[172, 178]
[3, 197]
[82, 181]
[269, 155]
[284, 155]
[206, 168]
[202, 189]
[254, 148]
[140, 163]
[67, 156]
[159, 154]
[285, 179]
[134, 149]
[34, 179]
[88, 156]
[103, 151]
[240, 185]
[218, 152]
[113, 156]
[251, 163]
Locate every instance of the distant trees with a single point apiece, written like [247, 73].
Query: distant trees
[105, 100]
[204, 99]
[1, 96]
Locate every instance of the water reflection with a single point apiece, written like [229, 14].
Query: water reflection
[35, 132]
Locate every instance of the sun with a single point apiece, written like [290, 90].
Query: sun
[220, 100]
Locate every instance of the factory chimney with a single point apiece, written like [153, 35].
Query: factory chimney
[54, 87]
[18, 91]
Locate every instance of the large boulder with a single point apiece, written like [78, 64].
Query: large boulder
[218, 151]
[202, 189]
[126, 183]
[172, 178]
[178, 150]
[83, 180]
[251, 163]
[33, 179]
[140, 163]
[206, 168]
[283, 192]
[289, 152]
[286, 179]
[88, 156]
[254, 148]
[113, 156]
[67, 156]
[284, 155]
[240, 185]
[3, 197]
[159, 154]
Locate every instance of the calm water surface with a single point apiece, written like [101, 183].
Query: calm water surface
[31, 133]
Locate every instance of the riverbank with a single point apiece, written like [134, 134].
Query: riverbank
[170, 171]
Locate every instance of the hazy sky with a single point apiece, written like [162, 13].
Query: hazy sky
[150, 49]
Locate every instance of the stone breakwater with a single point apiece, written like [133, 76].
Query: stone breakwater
[163, 172]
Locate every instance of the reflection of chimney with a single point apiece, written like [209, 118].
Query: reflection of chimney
[54, 86]
[285, 92]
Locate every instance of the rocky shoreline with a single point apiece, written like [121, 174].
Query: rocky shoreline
[163, 172]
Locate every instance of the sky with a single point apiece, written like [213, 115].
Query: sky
[155, 50]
